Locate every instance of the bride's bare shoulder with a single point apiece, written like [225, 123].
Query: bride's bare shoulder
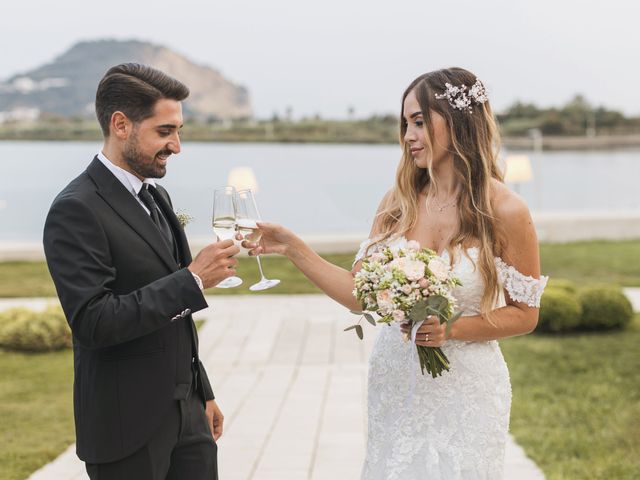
[509, 208]
[520, 247]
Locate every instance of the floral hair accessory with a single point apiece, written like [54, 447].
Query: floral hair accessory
[459, 99]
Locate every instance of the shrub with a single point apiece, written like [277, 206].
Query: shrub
[604, 307]
[560, 311]
[562, 284]
[30, 331]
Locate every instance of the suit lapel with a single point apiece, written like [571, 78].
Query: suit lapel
[126, 206]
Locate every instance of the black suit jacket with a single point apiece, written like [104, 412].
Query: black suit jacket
[128, 301]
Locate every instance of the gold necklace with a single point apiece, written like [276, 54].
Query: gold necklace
[444, 206]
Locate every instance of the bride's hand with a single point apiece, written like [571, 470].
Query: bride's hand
[275, 239]
[431, 327]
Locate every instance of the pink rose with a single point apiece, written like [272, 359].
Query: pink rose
[398, 315]
[383, 299]
[423, 282]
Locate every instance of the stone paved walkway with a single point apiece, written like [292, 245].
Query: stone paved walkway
[292, 387]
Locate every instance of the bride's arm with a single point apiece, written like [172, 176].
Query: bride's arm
[521, 252]
[335, 281]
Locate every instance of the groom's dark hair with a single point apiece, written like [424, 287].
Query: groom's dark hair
[134, 89]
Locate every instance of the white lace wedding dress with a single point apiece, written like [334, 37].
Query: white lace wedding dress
[453, 427]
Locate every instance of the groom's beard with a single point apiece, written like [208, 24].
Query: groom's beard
[144, 165]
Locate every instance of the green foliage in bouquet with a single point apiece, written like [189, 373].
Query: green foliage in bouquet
[26, 330]
[604, 307]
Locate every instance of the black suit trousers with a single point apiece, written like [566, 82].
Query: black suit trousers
[182, 449]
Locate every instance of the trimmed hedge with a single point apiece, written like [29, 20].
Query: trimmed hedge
[565, 308]
[26, 330]
[605, 307]
[560, 311]
[562, 284]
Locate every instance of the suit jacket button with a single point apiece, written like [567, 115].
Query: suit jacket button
[187, 312]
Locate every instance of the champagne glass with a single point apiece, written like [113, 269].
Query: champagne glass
[224, 223]
[247, 216]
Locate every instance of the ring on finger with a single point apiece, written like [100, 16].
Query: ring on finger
[426, 337]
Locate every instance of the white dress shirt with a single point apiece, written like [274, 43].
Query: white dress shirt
[132, 183]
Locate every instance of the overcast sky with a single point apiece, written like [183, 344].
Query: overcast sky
[324, 56]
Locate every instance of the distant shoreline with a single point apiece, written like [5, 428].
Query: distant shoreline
[332, 133]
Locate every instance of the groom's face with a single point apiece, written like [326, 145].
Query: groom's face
[153, 140]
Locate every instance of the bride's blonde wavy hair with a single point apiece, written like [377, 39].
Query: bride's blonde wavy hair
[474, 145]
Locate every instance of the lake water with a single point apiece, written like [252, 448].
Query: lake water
[311, 188]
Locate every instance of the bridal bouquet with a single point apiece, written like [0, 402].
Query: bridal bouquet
[406, 285]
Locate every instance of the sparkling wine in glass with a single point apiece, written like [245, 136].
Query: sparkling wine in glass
[247, 216]
[224, 223]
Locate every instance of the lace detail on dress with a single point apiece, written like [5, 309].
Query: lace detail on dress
[362, 250]
[521, 288]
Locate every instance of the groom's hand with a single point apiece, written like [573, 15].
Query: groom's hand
[215, 419]
[215, 262]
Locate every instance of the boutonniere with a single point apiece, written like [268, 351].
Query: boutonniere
[184, 218]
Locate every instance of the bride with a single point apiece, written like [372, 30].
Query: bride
[448, 196]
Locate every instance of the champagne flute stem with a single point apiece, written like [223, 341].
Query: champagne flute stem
[262, 277]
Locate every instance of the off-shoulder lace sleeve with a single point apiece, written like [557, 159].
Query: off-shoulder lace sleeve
[361, 252]
[520, 287]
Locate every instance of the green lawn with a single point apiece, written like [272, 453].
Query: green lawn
[36, 410]
[593, 262]
[31, 279]
[576, 402]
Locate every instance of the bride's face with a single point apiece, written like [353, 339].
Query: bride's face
[425, 153]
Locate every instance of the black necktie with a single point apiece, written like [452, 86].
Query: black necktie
[146, 195]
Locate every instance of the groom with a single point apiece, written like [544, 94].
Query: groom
[144, 408]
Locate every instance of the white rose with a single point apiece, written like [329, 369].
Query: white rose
[406, 289]
[398, 263]
[413, 245]
[439, 268]
[398, 315]
[413, 269]
[377, 257]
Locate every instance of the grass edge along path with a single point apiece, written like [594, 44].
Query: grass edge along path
[583, 262]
